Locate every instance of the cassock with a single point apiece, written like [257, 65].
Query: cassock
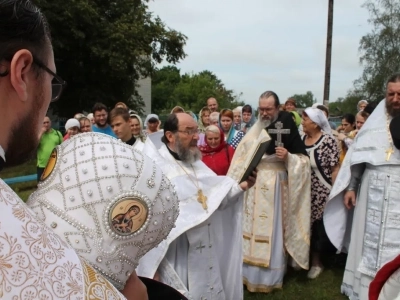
[202, 256]
[372, 169]
[277, 210]
[36, 263]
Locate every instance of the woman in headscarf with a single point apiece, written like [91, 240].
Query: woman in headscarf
[248, 118]
[361, 118]
[237, 118]
[362, 104]
[203, 122]
[231, 135]
[324, 158]
[217, 154]
[137, 128]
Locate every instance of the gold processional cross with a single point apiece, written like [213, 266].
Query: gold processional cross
[202, 199]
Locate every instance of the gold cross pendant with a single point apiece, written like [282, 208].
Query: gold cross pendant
[202, 199]
[389, 152]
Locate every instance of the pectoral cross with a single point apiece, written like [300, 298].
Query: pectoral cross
[202, 199]
[200, 247]
[279, 131]
[389, 152]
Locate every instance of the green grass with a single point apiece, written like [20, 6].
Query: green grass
[296, 284]
[22, 189]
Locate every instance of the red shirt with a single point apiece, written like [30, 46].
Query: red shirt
[220, 161]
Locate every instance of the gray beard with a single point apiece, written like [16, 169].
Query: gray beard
[264, 123]
[391, 111]
[187, 155]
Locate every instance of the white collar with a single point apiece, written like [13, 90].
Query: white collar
[2, 153]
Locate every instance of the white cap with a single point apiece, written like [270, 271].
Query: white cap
[72, 123]
[108, 201]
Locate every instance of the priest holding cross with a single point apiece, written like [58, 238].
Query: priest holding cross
[276, 220]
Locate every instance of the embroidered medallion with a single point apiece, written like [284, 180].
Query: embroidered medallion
[128, 215]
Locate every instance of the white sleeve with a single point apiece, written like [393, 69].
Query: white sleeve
[232, 196]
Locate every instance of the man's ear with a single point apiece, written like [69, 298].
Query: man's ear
[20, 66]
[170, 136]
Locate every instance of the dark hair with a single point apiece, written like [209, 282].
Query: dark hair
[349, 118]
[370, 107]
[323, 108]
[247, 108]
[268, 94]
[171, 124]
[119, 112]
[292, 101]
[23, 26]
[153, 120]
[98, 106]
[393, 78]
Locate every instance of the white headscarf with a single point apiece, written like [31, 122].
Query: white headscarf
[318, 117]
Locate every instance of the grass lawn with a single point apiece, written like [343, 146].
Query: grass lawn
[296, 284]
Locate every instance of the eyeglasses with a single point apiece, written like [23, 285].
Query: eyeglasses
[56, 87]
[262, 110]
[190, 131]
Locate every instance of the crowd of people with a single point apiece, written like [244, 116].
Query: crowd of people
[133, 209]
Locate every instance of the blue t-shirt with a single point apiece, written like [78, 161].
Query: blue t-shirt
[105, 130]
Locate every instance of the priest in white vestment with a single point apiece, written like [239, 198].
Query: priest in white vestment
[277, 211]
[370, 231]
[202, 256]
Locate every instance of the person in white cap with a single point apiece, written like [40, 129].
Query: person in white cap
[72, 127]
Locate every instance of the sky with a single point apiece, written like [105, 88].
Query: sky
[259, 45]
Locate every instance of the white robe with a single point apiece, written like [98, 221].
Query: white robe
[373, 237]
[202, 256]
[36, 264]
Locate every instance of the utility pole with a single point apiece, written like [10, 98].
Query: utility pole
[328, 57]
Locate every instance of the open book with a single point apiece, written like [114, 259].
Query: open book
[252, 161]
[249, 153]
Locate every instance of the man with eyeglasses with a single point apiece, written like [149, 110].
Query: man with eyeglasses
[37, 263]
[202, 254]
[276, 221]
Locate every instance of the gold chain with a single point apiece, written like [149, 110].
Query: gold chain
[201, 198]
[390, 150]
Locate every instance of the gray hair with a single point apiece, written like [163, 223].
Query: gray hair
[213, 129]
[214, 116]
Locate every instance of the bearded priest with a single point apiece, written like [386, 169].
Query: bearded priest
[202, 256]
[277, 210]
[362, 215]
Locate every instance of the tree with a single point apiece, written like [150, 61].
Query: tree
[190, 91]
[104, 47]
[304, 100]
[345, 105]
[380, 49]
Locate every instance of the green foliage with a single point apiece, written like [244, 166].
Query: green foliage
[190, 91]
[103, 47]
[345, 105]
[304, 100]
[380, 49]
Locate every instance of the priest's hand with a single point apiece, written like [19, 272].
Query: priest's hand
[349, 199]
[135, 289]
[281, 153]
[250, 182]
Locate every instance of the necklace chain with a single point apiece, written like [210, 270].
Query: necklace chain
[201, 198]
